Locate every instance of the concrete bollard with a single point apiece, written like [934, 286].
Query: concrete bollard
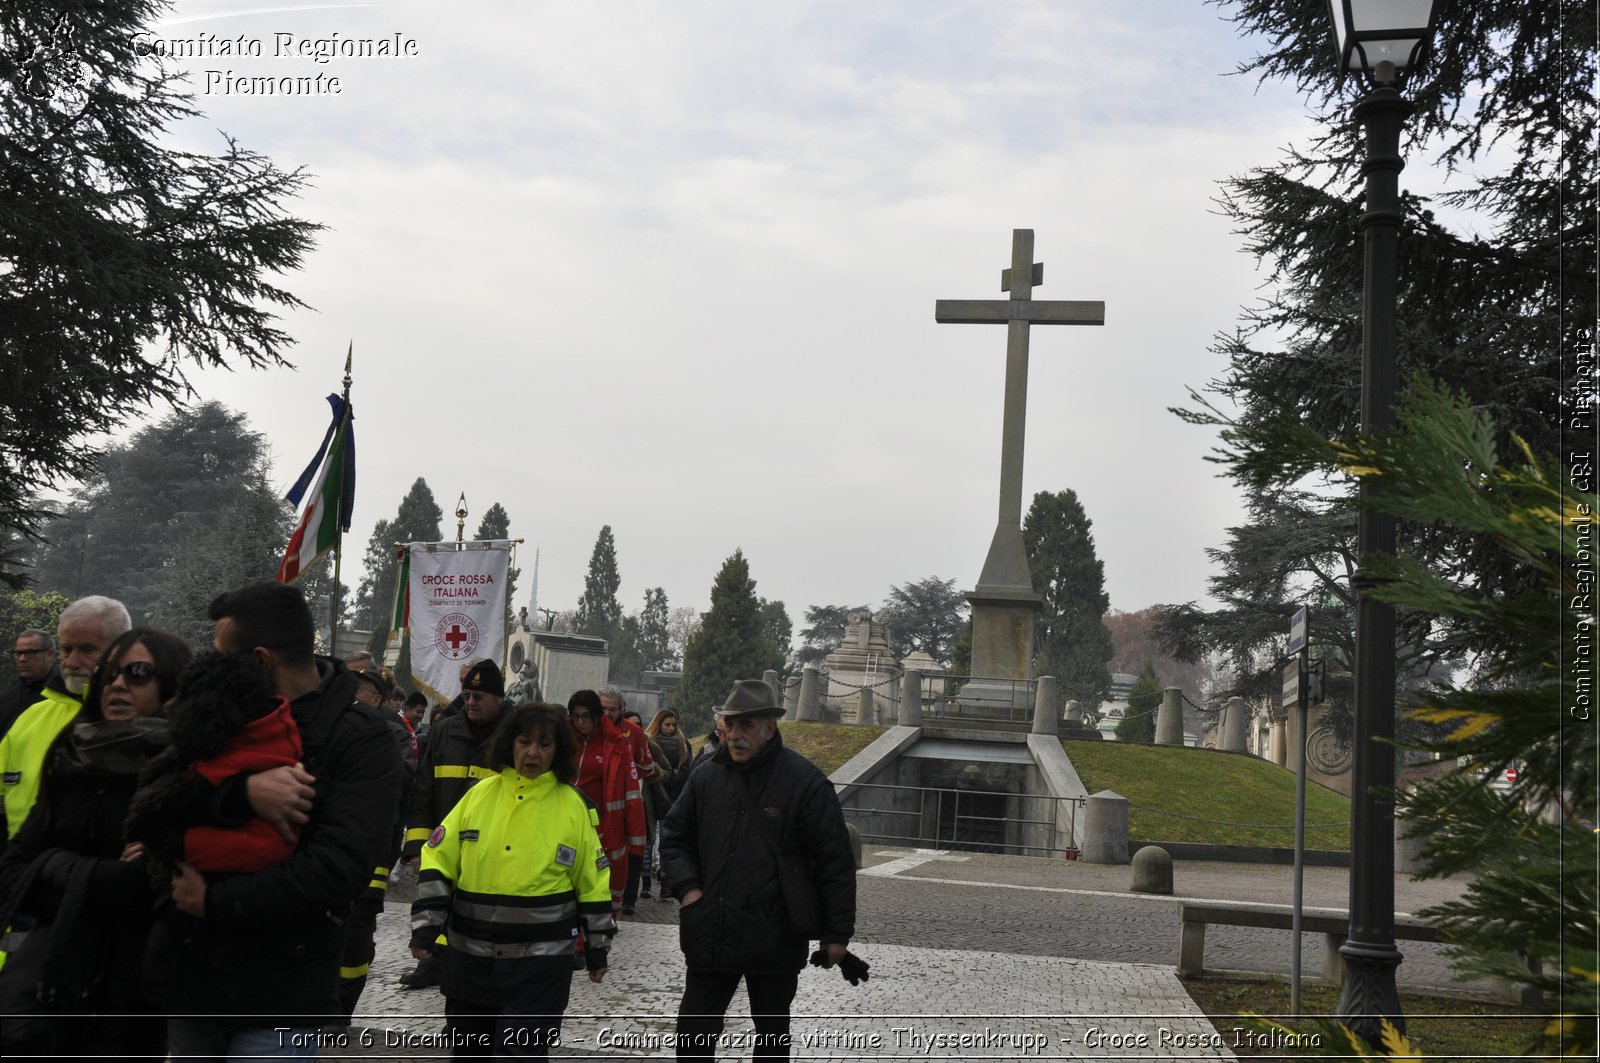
[791, 696]
[1152, 871]
[855, 843]
[1105, 829]
[1046, 715]
[1236, 725]
[808, 710]
[867, 714]
[1169, 718]
[774, 684]
[911, 699]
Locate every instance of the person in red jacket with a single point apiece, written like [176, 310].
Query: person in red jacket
[608, 777]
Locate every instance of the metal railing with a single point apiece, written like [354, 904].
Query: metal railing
[943, 693]
[972, 831]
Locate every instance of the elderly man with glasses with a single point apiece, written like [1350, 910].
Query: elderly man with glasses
[456, 757]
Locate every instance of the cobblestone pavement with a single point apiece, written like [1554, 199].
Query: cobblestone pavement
[1002, 950]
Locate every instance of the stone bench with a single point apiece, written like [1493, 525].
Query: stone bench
[1332, 923]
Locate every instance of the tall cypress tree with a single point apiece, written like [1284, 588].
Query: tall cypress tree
[1138, 724]
[732, 644]
[1072, 641]
[599, 612]
[419, 519]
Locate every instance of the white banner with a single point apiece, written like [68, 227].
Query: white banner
[457, 610]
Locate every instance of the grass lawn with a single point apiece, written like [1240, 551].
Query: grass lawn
[1439, 1027]
[827, 745]
[1177, 794]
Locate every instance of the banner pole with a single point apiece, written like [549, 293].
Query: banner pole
[338, 530]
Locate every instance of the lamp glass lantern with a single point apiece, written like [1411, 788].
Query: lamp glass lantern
[1369, 32]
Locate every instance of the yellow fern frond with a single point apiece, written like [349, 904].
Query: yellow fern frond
[1473, 722]
[1397, 1044]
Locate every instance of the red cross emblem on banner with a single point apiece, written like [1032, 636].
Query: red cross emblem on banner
[455, 636]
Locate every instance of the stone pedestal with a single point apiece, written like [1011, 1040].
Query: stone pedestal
[867, 710]
[1105, 829]
[791, 696]
[861, 662]
[910, 700]
[1169, 718]
[808, 708]
[1235, 726]
[1046, 717]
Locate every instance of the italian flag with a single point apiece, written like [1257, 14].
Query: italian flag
[329, 501]
[402, 594]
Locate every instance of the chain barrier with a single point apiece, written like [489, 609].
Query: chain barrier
[832, 682]
[1231, 823]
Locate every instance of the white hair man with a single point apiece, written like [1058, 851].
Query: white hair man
[83, 632]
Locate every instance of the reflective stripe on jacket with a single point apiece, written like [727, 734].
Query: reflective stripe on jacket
[515, 868]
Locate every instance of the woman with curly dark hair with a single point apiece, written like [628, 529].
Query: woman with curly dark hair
[69, 878]
[515, 869]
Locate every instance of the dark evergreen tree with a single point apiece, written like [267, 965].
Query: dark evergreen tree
[927, 615]
[1493, 293]
[127, 258]
[418, 520]
[779, 629]
[1072, 642]
[599, 611]
[1138, 723]
[732, 644]
[642, 640]
[180, 513]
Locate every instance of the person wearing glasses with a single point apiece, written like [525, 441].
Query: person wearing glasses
[80, 901]
[456, 758]
[84, 630]
[35, 659]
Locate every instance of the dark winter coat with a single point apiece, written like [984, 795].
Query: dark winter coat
[708, 843]
[268, 949]
[456, 757]
[94, 907]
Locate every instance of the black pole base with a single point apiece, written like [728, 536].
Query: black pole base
[1370, 994]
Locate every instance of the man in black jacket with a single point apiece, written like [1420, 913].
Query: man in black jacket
[257, 960]
[35, 658]
[756, 850]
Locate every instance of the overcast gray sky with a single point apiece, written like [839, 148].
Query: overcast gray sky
[672, 267]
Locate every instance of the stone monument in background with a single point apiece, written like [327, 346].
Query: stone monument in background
[1004, 601]
[862, 661]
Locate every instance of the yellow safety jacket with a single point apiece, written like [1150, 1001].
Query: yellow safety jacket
[23, 749]
[515, 868]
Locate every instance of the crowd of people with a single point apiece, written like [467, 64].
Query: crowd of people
[197, 845]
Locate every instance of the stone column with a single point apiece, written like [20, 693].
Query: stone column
[791, 696]
[1105, 829]
[1046, 717]
[1235, 725]
[1169, 718]
[1278, 743]
[774, 684]
[808, 710]
[867, 714]
[1074, 714]
[911, 699]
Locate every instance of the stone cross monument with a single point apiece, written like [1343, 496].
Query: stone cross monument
[1004, 601]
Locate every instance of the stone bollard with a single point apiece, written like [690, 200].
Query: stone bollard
[791, 696]
[1236, 725]
[855, 842]
[867, 714]
[1169, 718]
[774, 684]
[1046, 715]
[911, 699]
[1105, 829]
[1152, 871]
[1074, 714]
[808, 711]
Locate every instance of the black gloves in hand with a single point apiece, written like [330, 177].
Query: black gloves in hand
[853, 967]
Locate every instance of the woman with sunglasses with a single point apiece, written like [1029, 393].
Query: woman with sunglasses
[82, 896]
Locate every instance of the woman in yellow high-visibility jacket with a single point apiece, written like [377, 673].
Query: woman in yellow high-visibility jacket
[512, 872]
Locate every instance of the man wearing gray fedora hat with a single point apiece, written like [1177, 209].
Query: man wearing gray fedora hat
[756, 851]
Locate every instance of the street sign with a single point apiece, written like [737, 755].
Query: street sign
[1511, 775]
[1297, 631]
[1291, 684]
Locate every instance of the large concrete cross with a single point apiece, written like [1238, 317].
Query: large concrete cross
[1004, 600]
[1017, 313]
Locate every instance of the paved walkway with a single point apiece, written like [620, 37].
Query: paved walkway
[973, 956]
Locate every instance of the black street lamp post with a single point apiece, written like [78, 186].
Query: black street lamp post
[1383, 40]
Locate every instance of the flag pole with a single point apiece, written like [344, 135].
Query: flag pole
[338, 532]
